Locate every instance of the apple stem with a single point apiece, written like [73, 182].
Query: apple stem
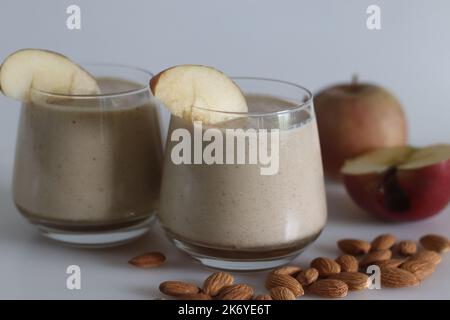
[355, 79]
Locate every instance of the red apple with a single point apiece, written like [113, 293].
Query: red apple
[401, 183]
[355, 118]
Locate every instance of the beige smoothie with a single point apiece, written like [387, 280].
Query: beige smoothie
[87, 165]
[234, 207]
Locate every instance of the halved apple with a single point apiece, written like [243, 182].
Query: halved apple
[198, 93]
[401, 183]
[43, 70]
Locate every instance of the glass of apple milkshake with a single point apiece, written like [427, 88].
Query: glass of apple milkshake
[242, 185]
[89, 153]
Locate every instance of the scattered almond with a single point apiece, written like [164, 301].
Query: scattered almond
[427, 255]
[281, 293]
[236, 292]
[283, 280]
[383, 242]
[177, 288]
[289, 270]
[354, 280]
[406, 248]
[308, 276]
[420, 268]
[216, 281]
[348, 263]
[325, 266]
[354, 246]
[391, 263]
[326, 277]
[148, 260]
[375, 256]
[329, 288]
[435, 242]
[398, 278]
[195, 296]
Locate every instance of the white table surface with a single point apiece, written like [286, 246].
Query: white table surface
[32, 267]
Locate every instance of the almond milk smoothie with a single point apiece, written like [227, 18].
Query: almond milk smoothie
[88, 169]
[230, 215]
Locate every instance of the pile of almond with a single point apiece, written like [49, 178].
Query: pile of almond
[401, 264]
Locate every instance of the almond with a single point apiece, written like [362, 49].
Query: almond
[348, 263]
[195, 296]
[435, 242]
[354, 280]
[148, 260]
[383, 242]
[281, 293]
[420, 268]
[325, 266]
[283, 280]
[329, 288]
[406, 248]
[177, 288]
[427, 255]
[216, 281]
[289, 270]
[391, 263]
[263, 297]
[397, 278]
[375, 256]
[236, 292]
[354, 246]
[308, 276]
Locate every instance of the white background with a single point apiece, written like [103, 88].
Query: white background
[314, 43]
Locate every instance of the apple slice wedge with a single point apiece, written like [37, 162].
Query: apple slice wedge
[198, 93]
[401, 183]
[46, 71]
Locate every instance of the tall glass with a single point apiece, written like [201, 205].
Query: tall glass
[88, 167]
[264, 202]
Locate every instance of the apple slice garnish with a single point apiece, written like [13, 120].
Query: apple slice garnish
[45, 71]
[401, 183]
[189, 91]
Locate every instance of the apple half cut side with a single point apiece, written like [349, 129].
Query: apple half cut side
[400, 183]
[46, 71]
[198, 93]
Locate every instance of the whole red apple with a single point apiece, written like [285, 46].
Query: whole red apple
[355, 118]
[401, 184]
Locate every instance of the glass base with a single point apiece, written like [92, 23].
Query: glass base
[242, 260]
[95, 237]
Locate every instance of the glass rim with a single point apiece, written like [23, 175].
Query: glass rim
[142, 88]
[298, 105]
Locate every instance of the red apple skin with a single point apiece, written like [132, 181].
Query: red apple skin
[427, 188]
[354, 119]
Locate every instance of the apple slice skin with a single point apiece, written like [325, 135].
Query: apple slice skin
[427, 192]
